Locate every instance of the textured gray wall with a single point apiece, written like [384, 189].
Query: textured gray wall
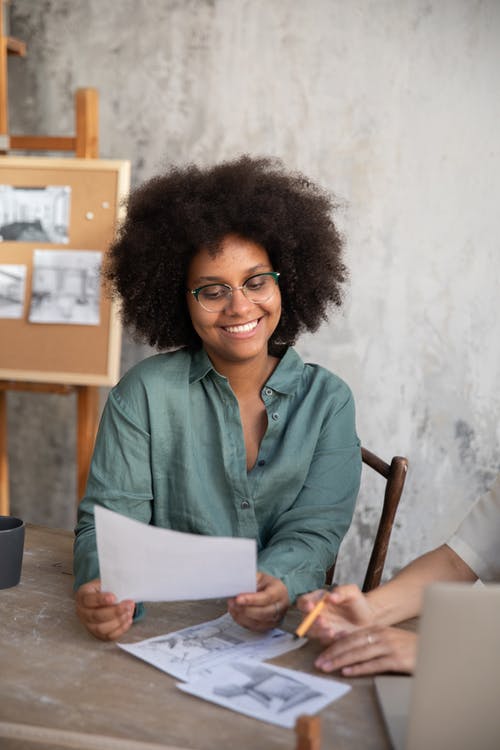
[393, 106]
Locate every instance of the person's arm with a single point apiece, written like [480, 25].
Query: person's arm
[119, 479]
[401, 597]
[397, 600]
[305, 539]
[355, 625]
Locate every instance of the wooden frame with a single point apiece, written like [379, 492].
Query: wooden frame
[66, 354]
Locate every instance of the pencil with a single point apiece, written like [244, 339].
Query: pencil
[313, 614]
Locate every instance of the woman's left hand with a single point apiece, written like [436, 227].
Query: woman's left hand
[264, 609]
[370, 651]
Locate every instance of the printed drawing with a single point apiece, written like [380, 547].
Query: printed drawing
[265, 691]
[198, 650]
[66, 287]
[278, 692]
[195, 645]
[12, 284]
[34, 214]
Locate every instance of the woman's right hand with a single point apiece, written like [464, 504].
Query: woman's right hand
[102, 615]
[346, 608]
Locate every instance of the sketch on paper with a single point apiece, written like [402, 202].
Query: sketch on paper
[35, 214]
[196, 651]
[66, 287]
[12, 286]
[266, 692]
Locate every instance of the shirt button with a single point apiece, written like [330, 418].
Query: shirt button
[245, 504]
[261, 462]
[275, 416]
[268, 391]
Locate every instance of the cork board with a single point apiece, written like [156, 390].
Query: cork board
[58, 333]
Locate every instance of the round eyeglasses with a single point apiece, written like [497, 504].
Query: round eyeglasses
[258, 288]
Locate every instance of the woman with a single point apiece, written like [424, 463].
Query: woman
[231, 434]
[357, 628]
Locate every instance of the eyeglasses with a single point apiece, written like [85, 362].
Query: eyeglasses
[258, 288]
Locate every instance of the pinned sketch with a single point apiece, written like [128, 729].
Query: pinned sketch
[66, 287]
[12, 286]
[35, 214]
[266, 692]
[196, 651]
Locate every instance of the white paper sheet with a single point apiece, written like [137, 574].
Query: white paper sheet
[149, 564]
[266, 692]
[196, 651]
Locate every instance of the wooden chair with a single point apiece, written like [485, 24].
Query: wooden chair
[395, 474]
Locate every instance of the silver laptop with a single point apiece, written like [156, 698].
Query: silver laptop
[453, 700]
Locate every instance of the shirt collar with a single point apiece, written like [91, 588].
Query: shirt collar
[284, 379]
[288, 373]
[200, 365]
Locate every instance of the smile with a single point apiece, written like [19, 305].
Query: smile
[244, 328]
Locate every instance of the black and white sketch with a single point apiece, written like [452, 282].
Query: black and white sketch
[267, 688]
[66, 287]
[266, 692]
[197, 650]
[35, 214]
[12, 286]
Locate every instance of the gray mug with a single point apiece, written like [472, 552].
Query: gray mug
[11, 550]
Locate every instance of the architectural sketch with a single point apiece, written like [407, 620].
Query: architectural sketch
[12, 286]
[265, 691]
[35, 214]
[66, 287]
[196, 651]
[270, 689]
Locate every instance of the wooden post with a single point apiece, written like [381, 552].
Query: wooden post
[308, 731]
[4, 118]
[88, 413]
[8, 46]
[87, 123]
[4, 460]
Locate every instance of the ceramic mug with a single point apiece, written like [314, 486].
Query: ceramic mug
[11, 550]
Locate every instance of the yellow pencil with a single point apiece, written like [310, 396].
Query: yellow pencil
[309, 619]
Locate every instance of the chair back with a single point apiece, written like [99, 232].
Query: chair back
[395, 476]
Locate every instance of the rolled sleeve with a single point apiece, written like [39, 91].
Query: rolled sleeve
[119, 479]
[477, 539]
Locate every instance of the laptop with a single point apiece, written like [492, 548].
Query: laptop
[453, 700]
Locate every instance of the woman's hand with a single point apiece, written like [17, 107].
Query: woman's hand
[370, 651]
[346, 608]
[264, 609]
[102, 615]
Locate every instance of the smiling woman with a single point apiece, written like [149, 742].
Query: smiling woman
[232, 434]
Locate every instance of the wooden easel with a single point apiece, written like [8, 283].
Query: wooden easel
[84, 144]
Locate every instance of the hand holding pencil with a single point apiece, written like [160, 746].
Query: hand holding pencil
[334, 611]
[313, 614]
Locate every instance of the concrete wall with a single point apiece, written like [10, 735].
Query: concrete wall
[393, 106]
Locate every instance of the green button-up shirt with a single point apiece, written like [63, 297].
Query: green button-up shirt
[170, 452]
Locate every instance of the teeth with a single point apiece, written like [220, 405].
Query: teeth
[240, 329]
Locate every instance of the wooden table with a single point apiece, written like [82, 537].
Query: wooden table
[53, 674]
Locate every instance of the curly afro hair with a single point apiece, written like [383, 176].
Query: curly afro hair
[172, 216]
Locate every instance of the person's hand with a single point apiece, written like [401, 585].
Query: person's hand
[370, 651]
[102, 615]
[265, 608]
[346, 608]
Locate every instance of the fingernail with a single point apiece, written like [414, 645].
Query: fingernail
[320, 663]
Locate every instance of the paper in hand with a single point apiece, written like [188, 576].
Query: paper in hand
[150, 564]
